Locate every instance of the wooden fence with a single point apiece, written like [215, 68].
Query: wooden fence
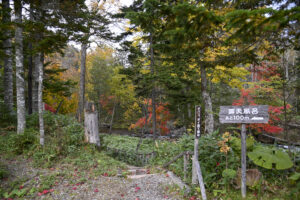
[132, 157]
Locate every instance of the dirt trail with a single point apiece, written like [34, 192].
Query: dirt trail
[138, 185]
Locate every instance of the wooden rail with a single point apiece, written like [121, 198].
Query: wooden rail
[140, 158]
[280, 140]
[185, 155]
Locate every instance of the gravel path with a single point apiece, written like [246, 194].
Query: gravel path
[141, 187]
[150, 187]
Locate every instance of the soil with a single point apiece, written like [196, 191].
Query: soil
[139, 186]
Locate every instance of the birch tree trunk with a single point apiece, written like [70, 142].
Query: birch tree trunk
[209, 117]
[153, 95]
[30, 67]
[8, 70]
[40, 60]
[20, 82]
[82, 82]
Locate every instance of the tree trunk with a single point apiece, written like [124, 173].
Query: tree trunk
[35, 83]
[20, 82]
[285, 94]
[153, 95]
[37, 58]
[30, 66]
[91, 129]
[112, 117]
[82, 82]
[8, 69]
[209, 117]
[40, 60]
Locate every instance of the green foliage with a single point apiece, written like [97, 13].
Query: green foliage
[211, 159]
[6, 118]
[47, 182]
[294, 193]
[235, 143]
[54, 84]
[124, 148]
[295, 176]
[20, 143]
[63, 136]
[3, 172]
[229, 174]
[270, 158]
[128, 144]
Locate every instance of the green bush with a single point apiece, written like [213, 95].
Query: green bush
[63, 136]
[20, 143]
[3, 172]
[7, 118]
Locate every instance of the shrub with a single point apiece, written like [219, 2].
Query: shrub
[7, 118]
[19, 143]
[63, 136]
[3, 172]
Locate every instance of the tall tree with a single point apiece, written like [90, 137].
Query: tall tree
[7, 45]
[30, 65]
[82, 81]
[39, 58]
[20, 82]
[96, 25]
[144, 17]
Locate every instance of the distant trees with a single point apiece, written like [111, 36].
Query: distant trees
[201, 46]
[41, 30]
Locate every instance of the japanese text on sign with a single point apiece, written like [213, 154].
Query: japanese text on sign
[198, 121]
[244, 114]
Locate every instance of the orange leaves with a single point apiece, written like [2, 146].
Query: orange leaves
[248, 97]
[162, 117]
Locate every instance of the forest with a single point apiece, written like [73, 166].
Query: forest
[142, 67]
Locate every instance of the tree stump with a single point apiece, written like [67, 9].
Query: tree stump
[91, 130]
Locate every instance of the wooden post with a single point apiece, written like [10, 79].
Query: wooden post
[185, 166]
[196, 165]
[91, 131]
[195, 157]
[196, 142]
[243, 161]
[201, 183]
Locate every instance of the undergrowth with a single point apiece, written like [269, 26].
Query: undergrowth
[64, 145]
[63, 136]
[219, 169]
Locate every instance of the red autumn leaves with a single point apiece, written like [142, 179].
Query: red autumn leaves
[162, 117]
[45, 192]
[248, 97]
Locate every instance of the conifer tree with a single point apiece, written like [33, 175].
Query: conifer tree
[8, 55]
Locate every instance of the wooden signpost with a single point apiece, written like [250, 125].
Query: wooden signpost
[244, 115]
[196, 165]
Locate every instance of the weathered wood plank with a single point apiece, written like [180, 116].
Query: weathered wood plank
[176, 158]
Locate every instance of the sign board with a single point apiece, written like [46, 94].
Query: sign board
[244, 114]
[197, 121]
